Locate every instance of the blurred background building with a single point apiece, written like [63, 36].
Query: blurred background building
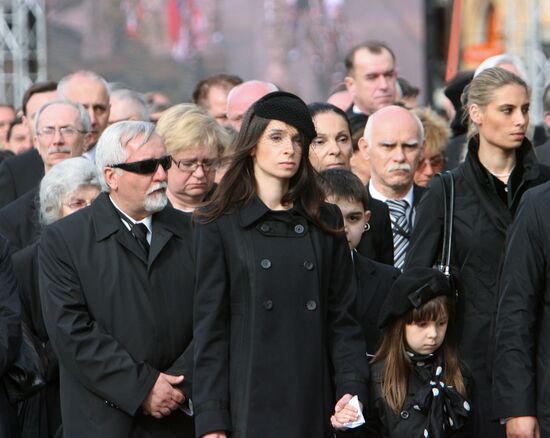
[168, 45]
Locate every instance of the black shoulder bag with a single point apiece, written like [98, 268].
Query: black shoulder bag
[448, 186]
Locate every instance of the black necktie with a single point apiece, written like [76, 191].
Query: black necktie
[140, 231]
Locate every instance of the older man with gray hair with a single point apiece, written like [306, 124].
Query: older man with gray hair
[393, 143]
[61, 128]
[116, 284]
[242, 96]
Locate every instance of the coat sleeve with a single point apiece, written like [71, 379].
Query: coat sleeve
[425, 243]
[87, 352]
[211, 332]
[345, 338]
[521, 291]
[7, 191]
[10, 319]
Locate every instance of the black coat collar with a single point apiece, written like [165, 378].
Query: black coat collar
[255, 209]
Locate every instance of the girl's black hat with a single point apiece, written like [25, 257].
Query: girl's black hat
[287, 108]
[412, 289]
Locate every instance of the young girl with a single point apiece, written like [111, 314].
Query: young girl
[275, 345]
[418, 386]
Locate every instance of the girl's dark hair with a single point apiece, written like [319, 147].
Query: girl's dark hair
[324, 107]
[393, 351]
[237, 187]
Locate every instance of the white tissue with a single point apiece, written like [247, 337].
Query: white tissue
[360, 419]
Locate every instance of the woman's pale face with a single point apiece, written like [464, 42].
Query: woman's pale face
[278, 152]
[192, 174]
[79, 198]
[503, 121]
[332, 147]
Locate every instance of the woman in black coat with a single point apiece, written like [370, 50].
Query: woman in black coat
[275, 346]
[499, 168]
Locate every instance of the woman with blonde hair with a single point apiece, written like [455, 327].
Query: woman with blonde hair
[499, 167]
[197, 144]
[436, 135]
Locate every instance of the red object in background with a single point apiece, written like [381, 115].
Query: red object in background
[475, 54]
[174, 20]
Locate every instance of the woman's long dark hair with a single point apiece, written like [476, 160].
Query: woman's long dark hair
[238, 185]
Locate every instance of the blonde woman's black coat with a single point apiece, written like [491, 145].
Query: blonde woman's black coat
[481, 221]
[275, 344]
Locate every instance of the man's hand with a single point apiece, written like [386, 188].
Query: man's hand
[163, 397]
[522, 427]
[219, 434]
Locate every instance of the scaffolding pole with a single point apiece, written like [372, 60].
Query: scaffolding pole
[23, 55]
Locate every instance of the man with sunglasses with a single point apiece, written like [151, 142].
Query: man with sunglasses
[116, 282]
[61, 129]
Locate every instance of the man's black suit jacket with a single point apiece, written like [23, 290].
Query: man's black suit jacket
[117, 317]
[19, 221]
[373, 281]
[19, 174]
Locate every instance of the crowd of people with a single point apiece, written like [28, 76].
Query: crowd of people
[249, 265]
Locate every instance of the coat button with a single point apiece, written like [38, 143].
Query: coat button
[299, 229]
[268, 304]
[308, 265]
[265, 263]
[311, 305]
[264, 228]
[404, 415]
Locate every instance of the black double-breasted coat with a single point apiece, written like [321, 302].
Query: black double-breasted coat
[481, 220]
[116, 318]
[275, 344]
[521, 379]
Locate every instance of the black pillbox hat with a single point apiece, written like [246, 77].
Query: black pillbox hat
[412, 289]
[287, 108]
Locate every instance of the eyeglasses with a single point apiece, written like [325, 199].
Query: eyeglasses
[191, 166]
[64, 131]
[145, 167]
[437, 161]
[77, 204]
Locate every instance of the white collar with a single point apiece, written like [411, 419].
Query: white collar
[377, 195]
[147, 221]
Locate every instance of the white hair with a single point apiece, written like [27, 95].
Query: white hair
[64, 82]
[82, 113]
[111, 146]
[367, 134]
[133, 98]
[505, 58]
[63, 179]
[269, 87]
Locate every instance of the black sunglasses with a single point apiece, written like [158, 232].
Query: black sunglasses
[145, 167]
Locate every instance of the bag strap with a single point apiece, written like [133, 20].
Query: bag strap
[448, 186]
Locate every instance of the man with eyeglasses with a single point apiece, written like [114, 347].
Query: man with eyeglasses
[23, 172]
[116, 283]
[61, 129]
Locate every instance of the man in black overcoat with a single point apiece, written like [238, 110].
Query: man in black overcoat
[521, 389]
[116, 283]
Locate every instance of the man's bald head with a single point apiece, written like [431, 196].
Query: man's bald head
[393, 143]
[241, 97]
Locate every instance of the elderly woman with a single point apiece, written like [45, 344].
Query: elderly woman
[436, 135]
[66, 188]
[196, 143]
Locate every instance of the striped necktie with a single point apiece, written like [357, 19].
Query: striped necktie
[400, 229]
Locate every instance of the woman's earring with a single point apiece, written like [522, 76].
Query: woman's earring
[366, 227]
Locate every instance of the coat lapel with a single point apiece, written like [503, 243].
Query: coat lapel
[107, 223]
[167, 224]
